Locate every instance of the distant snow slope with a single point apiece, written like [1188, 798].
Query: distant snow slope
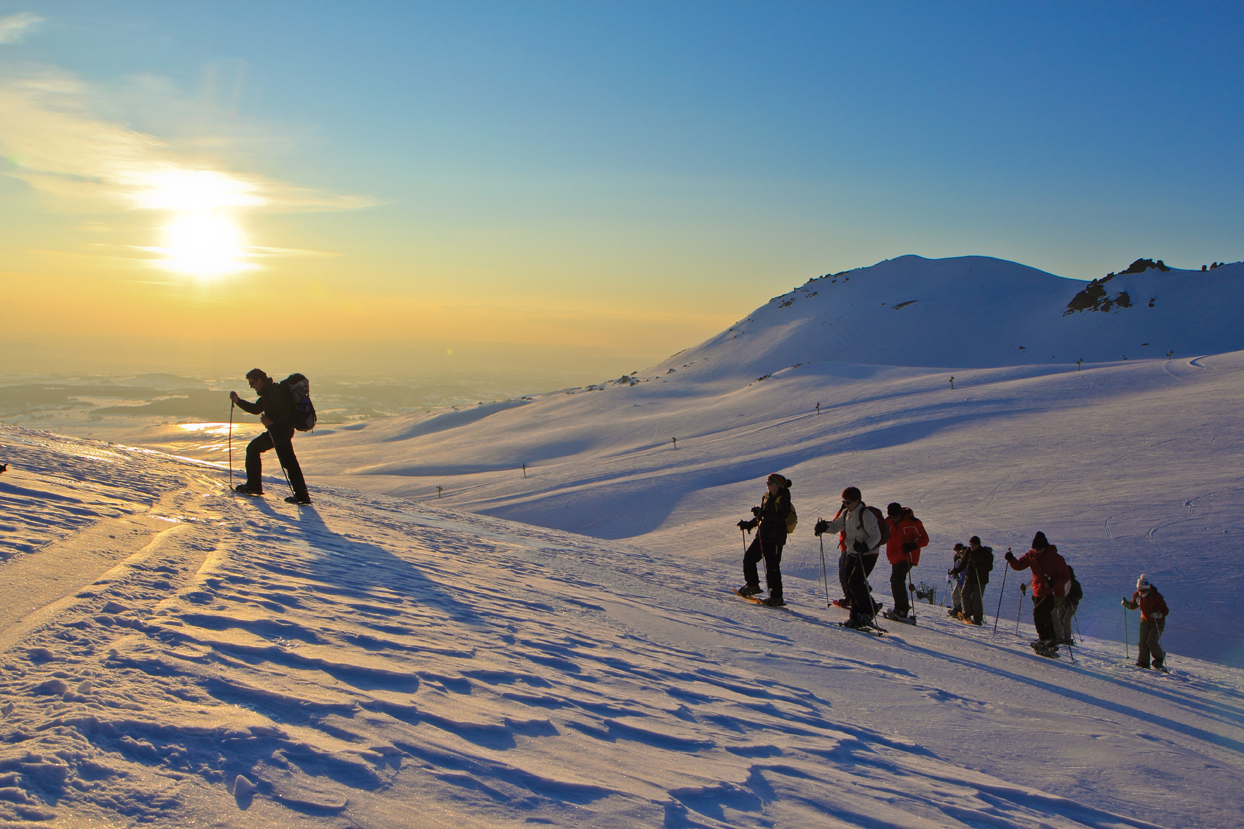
[1128, 466]
[187, 657]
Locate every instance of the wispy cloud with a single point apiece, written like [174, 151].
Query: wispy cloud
[56, 140]
[14, 27]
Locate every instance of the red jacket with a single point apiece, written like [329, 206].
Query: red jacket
[907, 529]
[1044, 563]
[1152, 607]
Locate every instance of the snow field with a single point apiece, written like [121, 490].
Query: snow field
[368, 661]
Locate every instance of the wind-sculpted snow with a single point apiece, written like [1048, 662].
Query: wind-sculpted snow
[369, 662]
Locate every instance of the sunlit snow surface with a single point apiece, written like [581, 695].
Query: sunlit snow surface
[193, 658]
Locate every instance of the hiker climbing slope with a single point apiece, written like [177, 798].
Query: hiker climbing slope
[275, 407]
[773, 518]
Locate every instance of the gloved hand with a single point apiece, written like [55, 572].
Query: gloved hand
[746, 525]
[1157, 616]
[909, 546]
[821, 527]
[1049, 580]
[756, 511]
[950, 572]
[860, 546]
[1009, 556]
[1124, 602]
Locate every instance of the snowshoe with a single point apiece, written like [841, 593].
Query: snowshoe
[843, 603]
[1047, 649]
[954, 612]
[294, 499]
[895, 617]
[748, 590]
[968, 621]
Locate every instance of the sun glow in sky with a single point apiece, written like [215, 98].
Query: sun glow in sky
[615, 182]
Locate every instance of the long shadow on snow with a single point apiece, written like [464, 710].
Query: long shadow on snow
[359, 570]
[1101, 702]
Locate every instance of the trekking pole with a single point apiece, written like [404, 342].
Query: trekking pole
[1127, 646]
[911, 591]
[231, 406]
[824, 577]
[998, 613]
[1023, 591]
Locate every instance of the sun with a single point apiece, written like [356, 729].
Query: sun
[204, 243]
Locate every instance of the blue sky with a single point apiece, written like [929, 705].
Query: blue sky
[502, 171]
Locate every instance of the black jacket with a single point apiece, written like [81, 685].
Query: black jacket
[276, 402]
[772, 518]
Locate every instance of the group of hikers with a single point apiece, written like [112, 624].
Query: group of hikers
[863, 530]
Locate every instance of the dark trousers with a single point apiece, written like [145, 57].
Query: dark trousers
[898, 587]
[1043, 617]
[973, 598]
[283, 441]
[771, 551]
[1147, 647]
[857, 568]
[845, 560]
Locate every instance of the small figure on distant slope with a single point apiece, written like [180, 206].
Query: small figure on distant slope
[907, 536]
[859, 539]
[1049, 584]
[773, 519]
[1153, 613]
[276, 409]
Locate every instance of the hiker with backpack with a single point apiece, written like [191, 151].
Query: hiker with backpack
[279, 412]
[775, 518]
[1049, 584]
[861, 531]
[1153, 613]
[902, 549]
[977, 565]
[1067, 610]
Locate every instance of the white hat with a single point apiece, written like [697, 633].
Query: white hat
[1142, 583]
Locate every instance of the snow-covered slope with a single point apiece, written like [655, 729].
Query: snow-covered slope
[977, 312]
[177, 656]
[1128, 466]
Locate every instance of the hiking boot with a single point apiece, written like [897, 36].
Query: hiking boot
[298, 499]
[247, 489]
[843, 603]
[749, 590]
[953, 612]
[775, 601]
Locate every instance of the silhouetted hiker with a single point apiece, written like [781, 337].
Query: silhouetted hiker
[902, 550]
[1049, 583]
[1153, 613]
[859, 539]
[771, 517]
[275, 407]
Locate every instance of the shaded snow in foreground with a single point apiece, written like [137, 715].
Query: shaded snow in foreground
[178, 655]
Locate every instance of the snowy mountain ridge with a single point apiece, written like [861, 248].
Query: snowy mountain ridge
[979, 312]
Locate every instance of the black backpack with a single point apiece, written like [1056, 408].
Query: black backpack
[299, 389]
